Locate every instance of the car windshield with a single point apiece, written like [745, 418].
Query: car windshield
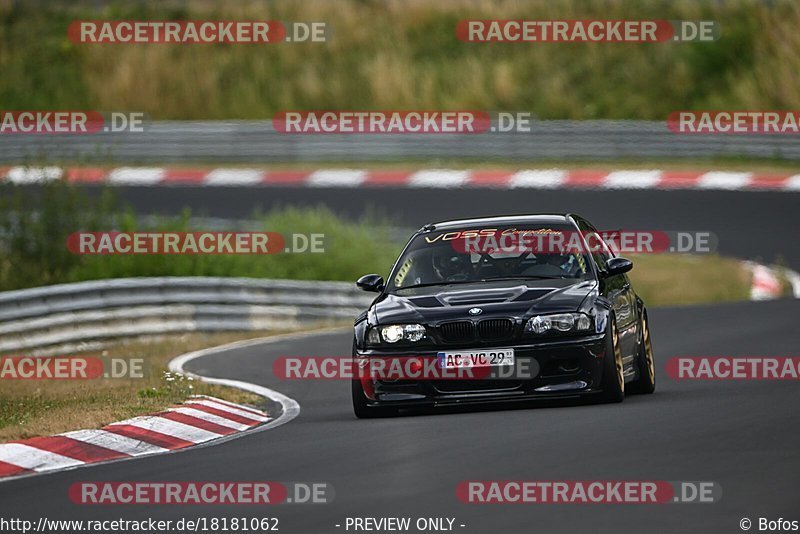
[482, 255]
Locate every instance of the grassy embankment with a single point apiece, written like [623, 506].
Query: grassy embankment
[403, 55]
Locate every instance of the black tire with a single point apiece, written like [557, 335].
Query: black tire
[613, 381]
[645, 362]
[360, 406]
[362, 409]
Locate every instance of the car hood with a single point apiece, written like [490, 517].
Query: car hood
[495, 299]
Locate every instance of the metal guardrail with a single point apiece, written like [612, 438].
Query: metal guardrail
[166, 142]
[89, 311]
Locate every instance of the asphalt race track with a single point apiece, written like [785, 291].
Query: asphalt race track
[742, 435]
[749, 225]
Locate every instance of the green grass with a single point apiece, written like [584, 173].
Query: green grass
[681, 279]
[31, 408]
[34, 228]
[392, 54]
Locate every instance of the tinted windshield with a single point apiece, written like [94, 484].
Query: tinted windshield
[485, 254]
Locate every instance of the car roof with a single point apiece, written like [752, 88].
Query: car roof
[553, 218]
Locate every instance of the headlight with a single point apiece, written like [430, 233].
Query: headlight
[392, 334]
[559, 322]
[395, 332]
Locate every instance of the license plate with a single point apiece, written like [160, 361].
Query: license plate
[469, 359]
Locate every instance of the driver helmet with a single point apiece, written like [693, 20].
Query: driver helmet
[448, 264]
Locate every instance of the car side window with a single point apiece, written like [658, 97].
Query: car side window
[599, 249]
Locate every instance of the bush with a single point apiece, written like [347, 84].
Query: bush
[34, 226]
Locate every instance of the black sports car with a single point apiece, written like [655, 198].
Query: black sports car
[531, 306]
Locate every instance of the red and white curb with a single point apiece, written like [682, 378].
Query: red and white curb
[198, 420]
[766, 284]
[425, 178]
[201, 421]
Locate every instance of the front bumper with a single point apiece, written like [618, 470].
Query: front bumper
[556, 368]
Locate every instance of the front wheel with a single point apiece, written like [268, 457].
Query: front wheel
[360, 406]
[613, 382]
[646, 365]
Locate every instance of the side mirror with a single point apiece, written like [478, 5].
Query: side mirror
[616, 266]
[371, 282]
